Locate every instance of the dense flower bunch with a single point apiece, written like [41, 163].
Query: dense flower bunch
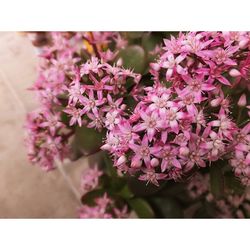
[96, 93]
[240, 160]
[59, 82]
[104, 206]
[90, 179]
[230, 206]
[184, 120]
[46, 140]
[168, 109]
[107, 44]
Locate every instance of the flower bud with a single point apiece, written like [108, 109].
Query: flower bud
[154, 162]
[155, 66]
[136, 164]
[243, 43]
[119, 62]
[123, 106]
[242, 101]
[106, 147]
[184, 151]
[234, 73]
[215, 102]
[121, 160]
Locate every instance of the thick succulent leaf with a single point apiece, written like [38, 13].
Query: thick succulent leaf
[217, 181]
[166, 207]
[133, 57]
[141, 207]
[87, 141]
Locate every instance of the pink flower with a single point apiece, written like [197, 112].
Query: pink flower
[172, 64]
[172, 116]
[142, 152]
[52, 122]
[76, 115]
[90, 179]
[92, 103]
[221, 56]
[150, 176]
[225, 125]
[104, 208]
[169, 157]
[151, 123]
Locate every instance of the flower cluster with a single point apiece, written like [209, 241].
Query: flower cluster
[105, 45]
[90, 179]
[184, 120]
[240, 159]
[212, 54]
[56, 62]
[45, 139]
[104, 208]
[63, 86]
[169, 135]
[231, 206]
[96, 93]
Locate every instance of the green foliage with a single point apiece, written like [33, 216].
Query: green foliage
[217, 180]
[86, 140]
[141, 207]
[133, 57]
[166, 207]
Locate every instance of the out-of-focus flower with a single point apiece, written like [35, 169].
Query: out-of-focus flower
[90, 179]
[104, 208]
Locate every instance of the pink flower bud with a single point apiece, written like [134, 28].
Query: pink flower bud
[155, 66]
[184, 151]
[106, 147]
[215, 102]
[242, 101]
[123, 106]
[154, 162]
[136, 164]
[234, 73]
[121, 160]
[237, 172]
[247, 172]
[119, 62]
[209, 197]
[243, 43]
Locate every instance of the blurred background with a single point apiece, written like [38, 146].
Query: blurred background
[25, 190]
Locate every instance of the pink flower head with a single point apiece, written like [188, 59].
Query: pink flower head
[90, 179]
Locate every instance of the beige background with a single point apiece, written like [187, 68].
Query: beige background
[25, 190]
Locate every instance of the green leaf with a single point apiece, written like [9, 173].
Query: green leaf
[133, 35]
[133, 57]
[126, 192]
[166, 207]
[87, 140]
[111, 171]
[89, 197]
[149, 42]
[141, 207]
[217, 180]
[233, 184]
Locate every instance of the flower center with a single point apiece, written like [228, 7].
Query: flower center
[195, 85]
[151, 123]
[161, 103]
[92, 103]
[145, 151]
[172, 115]
[220, 56]
[188, 100]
